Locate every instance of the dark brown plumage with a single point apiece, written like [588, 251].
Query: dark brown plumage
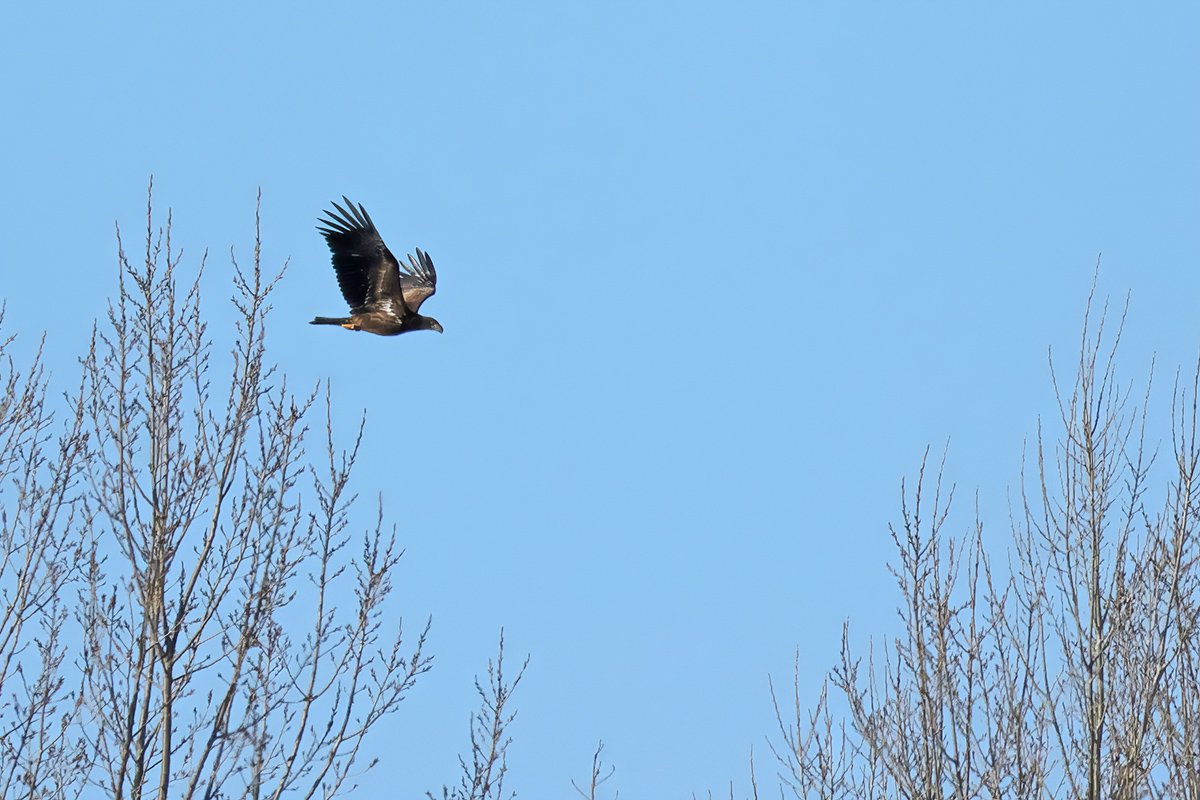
[384, 294]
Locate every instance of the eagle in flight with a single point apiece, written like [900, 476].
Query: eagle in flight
[384, 294]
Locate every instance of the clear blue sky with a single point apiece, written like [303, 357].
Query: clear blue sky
[712, 276]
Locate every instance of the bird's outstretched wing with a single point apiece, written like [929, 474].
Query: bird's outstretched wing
[368, 273]
[418, 279]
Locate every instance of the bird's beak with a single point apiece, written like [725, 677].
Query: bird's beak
[437, 326]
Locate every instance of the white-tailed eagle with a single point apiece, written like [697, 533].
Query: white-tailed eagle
[384, 293]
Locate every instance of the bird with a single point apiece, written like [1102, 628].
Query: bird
[384, 294]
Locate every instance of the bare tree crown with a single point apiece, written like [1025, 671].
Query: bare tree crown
[212, 557]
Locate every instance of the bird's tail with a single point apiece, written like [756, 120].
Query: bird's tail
[331, 321]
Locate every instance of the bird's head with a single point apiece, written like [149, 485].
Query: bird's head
[429, 323]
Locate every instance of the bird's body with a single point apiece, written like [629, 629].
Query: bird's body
[382, 323]
[384, 294]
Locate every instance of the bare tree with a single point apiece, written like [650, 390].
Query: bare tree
[1112, 579]
[220, 658]
[598, 777]
[1073, 671]
[40, 553]
[208, 561]
[483, 778]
